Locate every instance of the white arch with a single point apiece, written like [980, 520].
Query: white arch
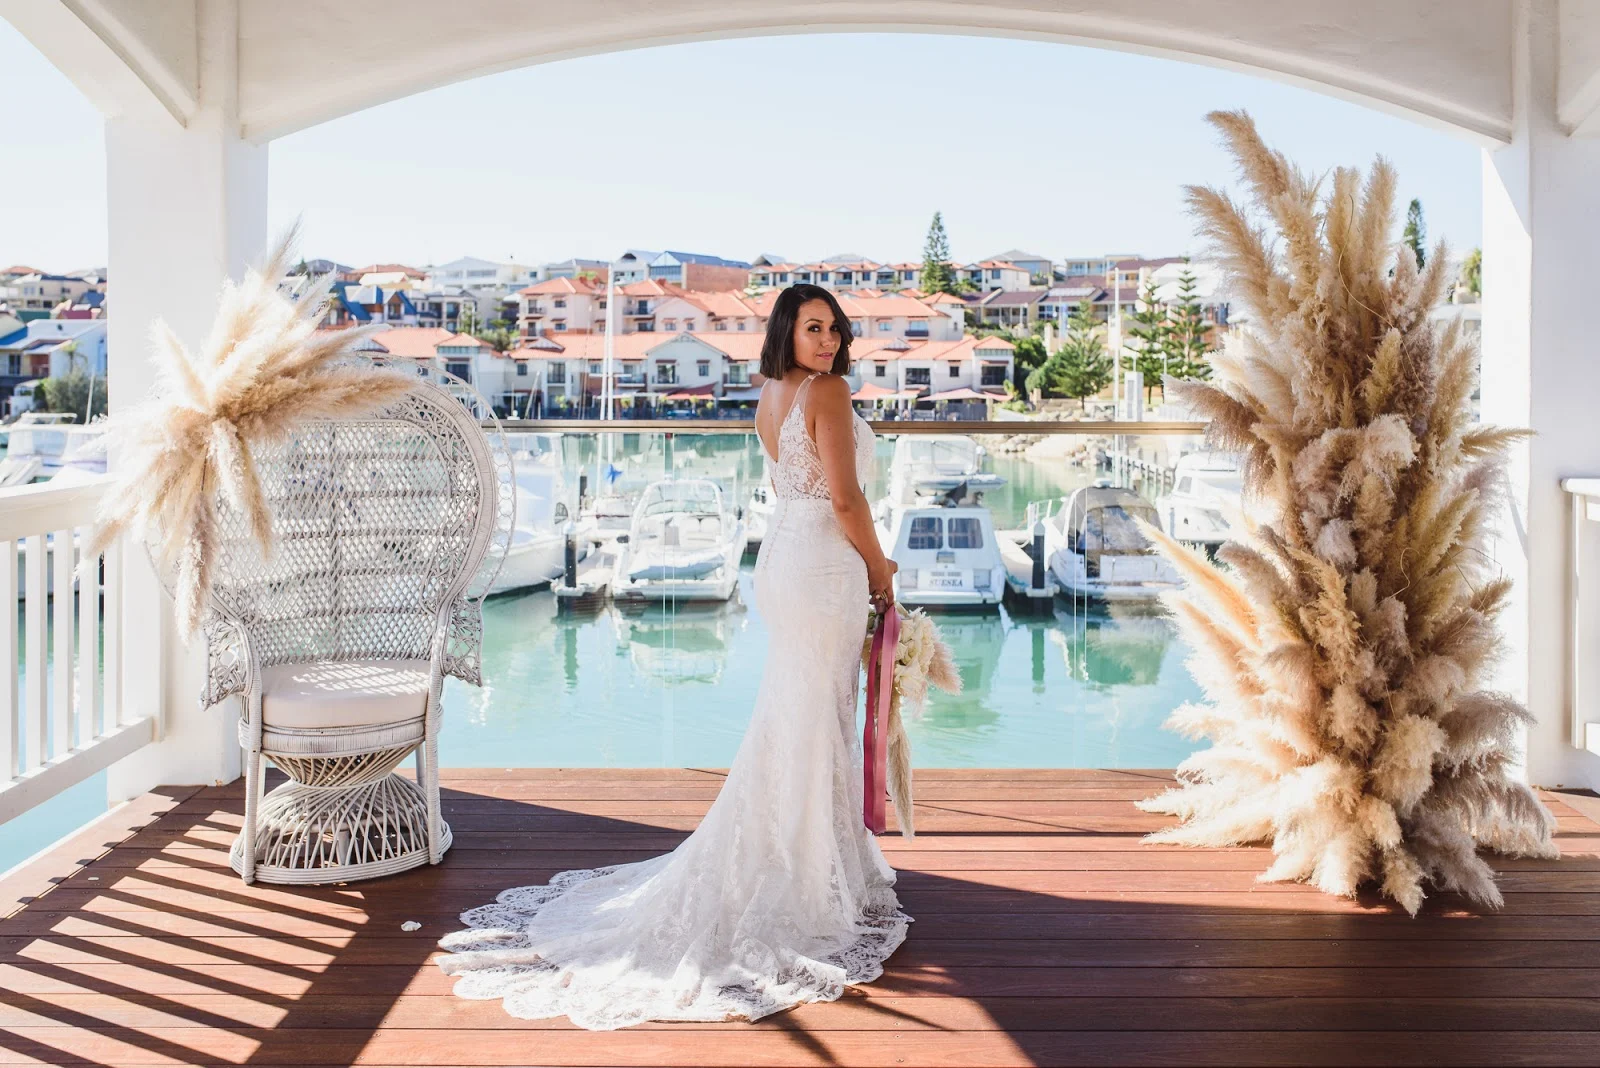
[1442, 62]
[1446, 63]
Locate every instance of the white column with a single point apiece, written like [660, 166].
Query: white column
[1540, 230]
[187, 207]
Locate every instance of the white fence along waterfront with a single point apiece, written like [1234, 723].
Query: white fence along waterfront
[61, 713]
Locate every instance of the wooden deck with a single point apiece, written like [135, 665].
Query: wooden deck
[1045, 933]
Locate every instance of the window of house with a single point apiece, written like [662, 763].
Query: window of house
[955, 370]
[669, 324]
[702, 368]
[597, 367]
[884, 326]
[739, 374]
[992, 376]
[561, 302]
[994, 272]
[667, 373]
[688, 324]
[855, 327]
[880, 369]
[557, 374]
[561, 324]
[522, 369]
[741, 324]
[720, 324]
[918, 376]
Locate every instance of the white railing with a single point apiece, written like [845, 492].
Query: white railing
[61, 710]
[1583, 613]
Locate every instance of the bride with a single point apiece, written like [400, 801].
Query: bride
[780, 896]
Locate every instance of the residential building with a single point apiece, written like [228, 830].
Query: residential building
[994, 274]
[1078, 266]
[469, 272]
[1040, 269]
[931, 368]
[1013, 309]
[695, 270]
[446, 306]
[1060, 301]
[633, 265]
[386, 273]
[362, 303]
[37, 295]
[562, 304]
[48, 348]
[574, 268]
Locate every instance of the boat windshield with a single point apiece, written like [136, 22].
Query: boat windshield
[943, 451]
[699, 498]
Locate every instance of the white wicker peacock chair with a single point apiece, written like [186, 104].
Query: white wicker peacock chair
[389, 530]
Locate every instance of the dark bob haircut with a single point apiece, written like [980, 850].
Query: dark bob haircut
[777, 351]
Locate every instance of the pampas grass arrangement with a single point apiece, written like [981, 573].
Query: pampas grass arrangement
[263, 370]
[1343, 648]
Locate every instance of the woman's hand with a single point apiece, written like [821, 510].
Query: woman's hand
[880, 579]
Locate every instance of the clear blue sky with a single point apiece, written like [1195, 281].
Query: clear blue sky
[800, 145]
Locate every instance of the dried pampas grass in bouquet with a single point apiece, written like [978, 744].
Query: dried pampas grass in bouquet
[1343, 647]
[263, 370]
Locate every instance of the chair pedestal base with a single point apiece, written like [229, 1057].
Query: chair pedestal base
[325, 834]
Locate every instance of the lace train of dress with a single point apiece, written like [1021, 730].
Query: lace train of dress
[780, 896]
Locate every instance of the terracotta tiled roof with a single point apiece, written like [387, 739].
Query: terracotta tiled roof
[391, 268]
[412, 342]
[560, 286]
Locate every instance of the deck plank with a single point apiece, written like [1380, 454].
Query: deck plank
[1048, 932]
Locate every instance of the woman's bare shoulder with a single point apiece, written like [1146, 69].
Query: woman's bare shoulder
[831, 391]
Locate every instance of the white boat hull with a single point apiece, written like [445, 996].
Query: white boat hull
[534, 559]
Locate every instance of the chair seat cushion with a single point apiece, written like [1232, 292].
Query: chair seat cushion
[350, 693]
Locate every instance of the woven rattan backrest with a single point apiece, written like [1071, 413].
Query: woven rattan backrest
[380, 525]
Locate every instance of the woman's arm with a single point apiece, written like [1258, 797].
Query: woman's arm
[832, 421]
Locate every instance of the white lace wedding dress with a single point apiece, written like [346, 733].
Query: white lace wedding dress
[780, 896]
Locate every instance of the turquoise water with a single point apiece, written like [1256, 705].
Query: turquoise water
[660, 687]
[674, 687]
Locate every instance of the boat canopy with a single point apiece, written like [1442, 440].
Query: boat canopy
[1101, 520]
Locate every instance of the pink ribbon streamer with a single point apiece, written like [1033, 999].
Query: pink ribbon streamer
[875, 738]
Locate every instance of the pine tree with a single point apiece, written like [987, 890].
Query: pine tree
[1187, 333]
[937, 275]
[1472, 272]
[1151, 346]
[1083, 365]
[1416, 232]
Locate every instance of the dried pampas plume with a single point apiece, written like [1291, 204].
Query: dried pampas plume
[1343, 647]
[922, 659]
[264, 369]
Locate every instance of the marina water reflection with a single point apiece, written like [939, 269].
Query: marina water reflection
[660, 686]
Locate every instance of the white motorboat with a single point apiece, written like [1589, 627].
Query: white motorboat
[37, 444]
[924, 465]
[1204, 504]
[537, 553]
[684, 544]
[949, 556]
[1095, 550]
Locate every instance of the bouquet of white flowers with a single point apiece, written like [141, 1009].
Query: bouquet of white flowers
[921, 659]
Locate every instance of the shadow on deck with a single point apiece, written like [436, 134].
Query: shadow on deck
[1046, 933]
